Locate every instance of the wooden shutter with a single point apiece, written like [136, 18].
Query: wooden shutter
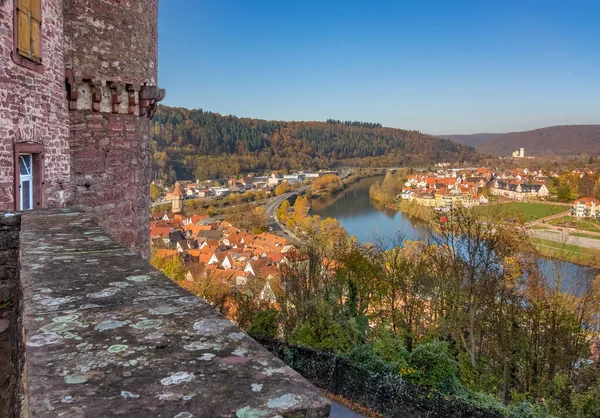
[36, 29]
[29, 35]
[24, 28]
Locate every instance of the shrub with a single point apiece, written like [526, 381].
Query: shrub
[321, 332]
[435, 368]
[367, 358]
[265, 324]
[391, 349]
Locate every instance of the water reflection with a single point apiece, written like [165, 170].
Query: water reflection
[365, 220]
[369, 222]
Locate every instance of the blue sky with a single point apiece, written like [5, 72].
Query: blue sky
[446, 66]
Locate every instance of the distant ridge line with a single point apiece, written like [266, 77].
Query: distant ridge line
[559, 140]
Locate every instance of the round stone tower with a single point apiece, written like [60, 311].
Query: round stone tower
[111, 74]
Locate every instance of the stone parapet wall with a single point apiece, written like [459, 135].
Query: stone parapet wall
[106, 334]
[10, 225]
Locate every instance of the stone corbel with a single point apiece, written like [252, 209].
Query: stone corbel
[96, 96]
[116, 102]
[149, 98]
[132, 98]
[116, 95]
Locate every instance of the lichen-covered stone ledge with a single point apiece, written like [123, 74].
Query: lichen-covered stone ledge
[108, 335]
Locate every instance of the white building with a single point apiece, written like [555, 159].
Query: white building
[220, 191]
[586, 207]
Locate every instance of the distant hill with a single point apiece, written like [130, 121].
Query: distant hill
[471, 140]
[568, 140]
[199, 144]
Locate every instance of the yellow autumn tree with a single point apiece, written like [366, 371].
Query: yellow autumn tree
[283, 188]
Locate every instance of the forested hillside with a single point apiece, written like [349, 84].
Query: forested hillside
[471, 140]
[198, 144]
[569, 140]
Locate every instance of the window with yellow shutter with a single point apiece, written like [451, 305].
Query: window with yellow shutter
[28, 30]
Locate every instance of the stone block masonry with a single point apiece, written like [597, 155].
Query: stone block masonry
[10, 225]
[108, 335]
[112, 53]
[111, 173]
[83, 110]
[33, 108]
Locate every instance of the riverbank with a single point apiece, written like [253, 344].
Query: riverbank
[413, 210]
[558, 246]
[565, 252]
[345, 181]
[563, 246]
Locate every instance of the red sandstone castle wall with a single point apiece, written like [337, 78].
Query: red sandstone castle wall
[112, 52]
[89, 107]
[112, 171]
[33, 107]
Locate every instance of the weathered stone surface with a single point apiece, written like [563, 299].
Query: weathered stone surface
[108, 335]
[10, 222]
[10, 364]
[9, 240]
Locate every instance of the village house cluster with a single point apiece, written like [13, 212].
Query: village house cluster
[446, 188]
[220, 188]
[520, 184]
[451, 187]
[220, 253]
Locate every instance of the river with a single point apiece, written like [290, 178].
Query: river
[369, 222]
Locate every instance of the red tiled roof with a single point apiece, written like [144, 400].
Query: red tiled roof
[267, 271]
[160, 231]
[588, 201]
[177, 191]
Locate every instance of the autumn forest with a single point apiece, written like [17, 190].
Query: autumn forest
[204, 145]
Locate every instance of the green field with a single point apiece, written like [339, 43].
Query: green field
[583, 224]
[521, 210]
[566, 252]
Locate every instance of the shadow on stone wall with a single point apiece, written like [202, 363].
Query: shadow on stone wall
[10, 225]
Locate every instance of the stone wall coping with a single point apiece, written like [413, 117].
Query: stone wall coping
[106, 334]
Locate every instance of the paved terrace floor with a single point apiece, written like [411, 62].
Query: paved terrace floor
[108, 335]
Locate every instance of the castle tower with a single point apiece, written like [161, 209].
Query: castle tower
[177, 200]
[111, 75]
